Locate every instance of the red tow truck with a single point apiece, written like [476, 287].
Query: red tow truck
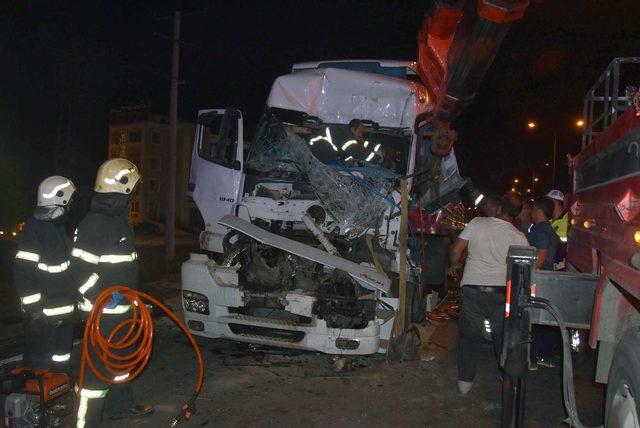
[601, 289]
[604, 238]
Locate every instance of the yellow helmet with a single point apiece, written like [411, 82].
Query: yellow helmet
[117, 176]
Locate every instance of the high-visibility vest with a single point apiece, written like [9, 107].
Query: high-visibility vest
[560, 225]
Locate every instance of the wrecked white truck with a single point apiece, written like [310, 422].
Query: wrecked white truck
[301, 237]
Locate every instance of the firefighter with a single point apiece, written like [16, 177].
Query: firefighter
[353, 149]
[104, 255]
[41, 277]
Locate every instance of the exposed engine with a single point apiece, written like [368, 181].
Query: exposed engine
[268, 274]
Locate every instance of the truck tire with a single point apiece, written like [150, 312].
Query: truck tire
[623, 391]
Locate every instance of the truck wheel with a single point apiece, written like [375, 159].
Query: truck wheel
[623, 391]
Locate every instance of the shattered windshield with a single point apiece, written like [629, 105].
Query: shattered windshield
[335, 145]
[355, 196]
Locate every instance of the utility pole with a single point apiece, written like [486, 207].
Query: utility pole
[170, 188]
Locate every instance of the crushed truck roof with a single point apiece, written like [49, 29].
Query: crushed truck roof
[338, 96]
[298, 66]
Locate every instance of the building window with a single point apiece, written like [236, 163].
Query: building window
[155, 164]
[135, 136]
[154, 186]
[155, 137]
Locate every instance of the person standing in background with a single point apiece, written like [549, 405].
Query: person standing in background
[545, 339]
[560, 223]
[541, 234]
[524, 220]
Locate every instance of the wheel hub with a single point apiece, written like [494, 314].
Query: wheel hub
[623, 411]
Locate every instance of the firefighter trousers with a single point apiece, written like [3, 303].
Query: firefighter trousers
[48, 343]
[97, 396]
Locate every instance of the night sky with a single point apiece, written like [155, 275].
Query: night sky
[101, 54]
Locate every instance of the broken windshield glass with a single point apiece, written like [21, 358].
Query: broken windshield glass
[336, 146]
[355, 197]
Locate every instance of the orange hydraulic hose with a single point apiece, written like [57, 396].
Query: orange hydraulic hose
[135, 332]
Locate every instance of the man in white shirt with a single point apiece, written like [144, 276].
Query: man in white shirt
[483, 283]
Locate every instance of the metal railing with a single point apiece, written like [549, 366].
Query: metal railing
[604, 102]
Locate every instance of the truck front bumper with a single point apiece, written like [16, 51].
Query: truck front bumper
[223, 295]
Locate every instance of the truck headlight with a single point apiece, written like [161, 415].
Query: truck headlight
[195, 302]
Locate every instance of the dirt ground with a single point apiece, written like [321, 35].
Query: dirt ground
[251, 387]
[254, 388]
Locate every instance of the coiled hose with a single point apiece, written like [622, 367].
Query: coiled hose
[136, 333]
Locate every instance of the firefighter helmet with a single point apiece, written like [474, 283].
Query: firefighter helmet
[117, 176]
[55, 191]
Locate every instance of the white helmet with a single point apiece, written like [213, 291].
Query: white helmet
[55, 191]
[117, 176]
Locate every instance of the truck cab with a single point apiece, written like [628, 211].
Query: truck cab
[302, 236]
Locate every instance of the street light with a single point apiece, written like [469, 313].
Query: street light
[513, 189]
[536, 179]
[516, 180]
[531, 125]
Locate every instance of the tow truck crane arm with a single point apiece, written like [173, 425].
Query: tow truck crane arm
[457, 43]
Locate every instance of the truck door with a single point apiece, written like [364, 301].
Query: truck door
[216, 177]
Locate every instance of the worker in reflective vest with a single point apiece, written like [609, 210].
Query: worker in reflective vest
[560, 224]
[104, 255]
[41, 277]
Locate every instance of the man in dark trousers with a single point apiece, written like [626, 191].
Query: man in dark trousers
[41, 277]
[483, 283]
[104, 255]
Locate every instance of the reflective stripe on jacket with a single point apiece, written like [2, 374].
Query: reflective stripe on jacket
[41, 267]
[103, 253]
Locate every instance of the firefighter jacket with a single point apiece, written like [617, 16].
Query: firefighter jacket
[41, 271]
[103, 253]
